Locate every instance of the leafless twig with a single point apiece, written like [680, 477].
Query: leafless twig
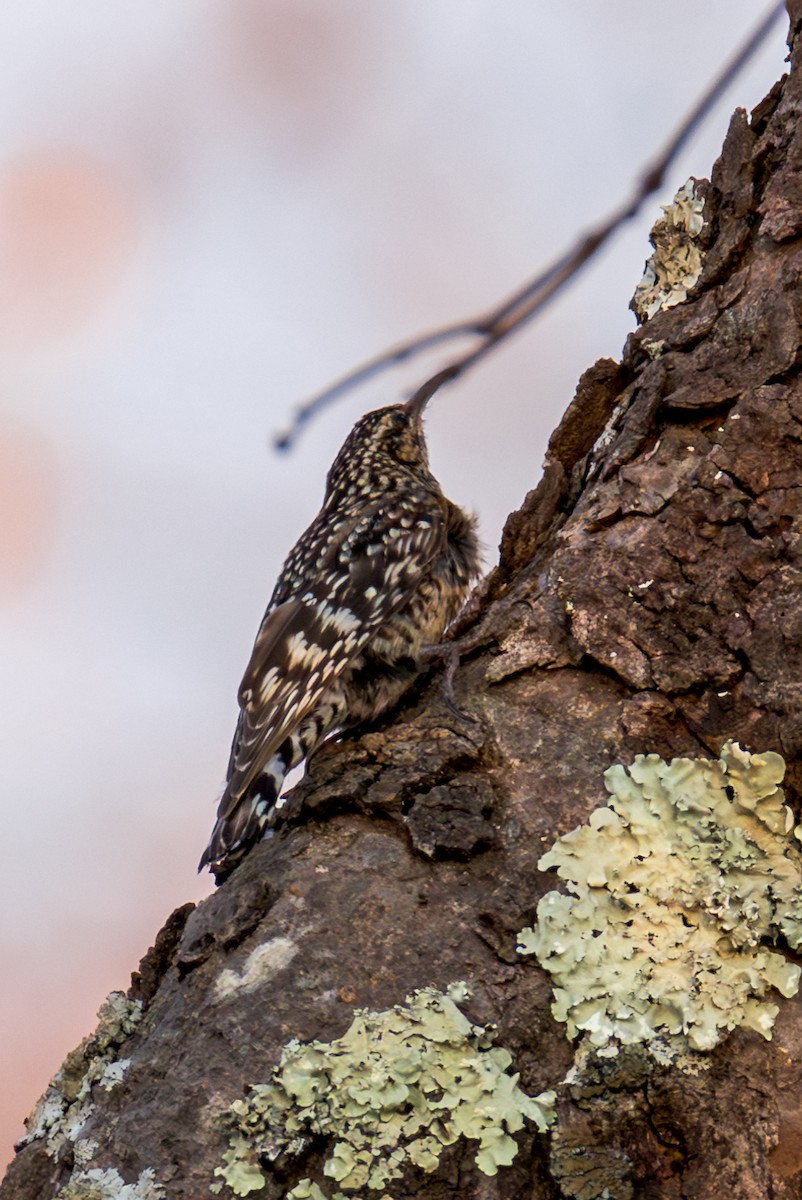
[529, 300]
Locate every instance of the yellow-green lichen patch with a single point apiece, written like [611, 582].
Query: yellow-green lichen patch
[99, 1184]
[391, 1093]
[307, 1190]
[62, 1111]
[676, 264]
[674, 888]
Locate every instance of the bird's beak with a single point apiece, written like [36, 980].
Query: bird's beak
[416, 404]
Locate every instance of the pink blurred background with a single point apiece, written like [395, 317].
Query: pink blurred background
[208, 210]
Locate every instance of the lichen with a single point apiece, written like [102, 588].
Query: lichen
[676, 264]
[397, 1088]
[262, 964]
[307, 1190]
[99, 1184]
[83, 1152]
[654, 349]
[62, 1111]
[674, 888]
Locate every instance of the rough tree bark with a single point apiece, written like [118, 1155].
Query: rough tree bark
[416, 864]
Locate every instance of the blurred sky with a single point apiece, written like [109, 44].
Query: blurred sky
[208, 210]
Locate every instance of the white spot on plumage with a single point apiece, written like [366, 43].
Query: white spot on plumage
[341, 618]
[297, 647]
[315, 655]
[268, 683]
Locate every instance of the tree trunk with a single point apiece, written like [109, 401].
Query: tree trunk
[648, 600]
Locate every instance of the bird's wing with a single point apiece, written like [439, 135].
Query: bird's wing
[307, 641]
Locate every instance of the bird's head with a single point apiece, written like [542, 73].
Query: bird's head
[394, 433]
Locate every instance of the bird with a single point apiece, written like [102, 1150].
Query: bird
[375, 580]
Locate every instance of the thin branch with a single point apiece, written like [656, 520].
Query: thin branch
[532, 298]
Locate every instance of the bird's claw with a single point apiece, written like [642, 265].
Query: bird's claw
[448, 654]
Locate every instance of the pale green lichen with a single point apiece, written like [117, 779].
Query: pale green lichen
[307, 1190]
[62, 1111]
[654, 349]
[391, 1093]
[99, 1184]
[84, 1150]
[676, 264]
[674, 888]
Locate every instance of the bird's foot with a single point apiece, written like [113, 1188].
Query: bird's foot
[449, 654]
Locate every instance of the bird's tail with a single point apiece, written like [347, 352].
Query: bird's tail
[240, 824]
[244, 816]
